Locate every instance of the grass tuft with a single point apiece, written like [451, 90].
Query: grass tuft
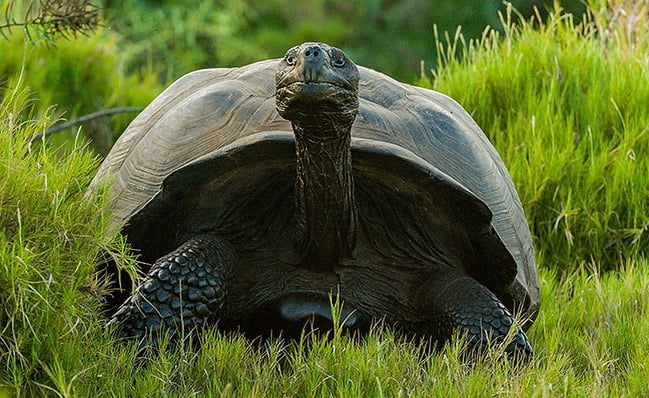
[565, 103]
[49, 237]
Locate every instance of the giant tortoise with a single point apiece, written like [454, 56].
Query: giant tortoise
[256, 194]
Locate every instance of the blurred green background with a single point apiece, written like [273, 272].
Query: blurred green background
[392, 36]
[141, 46]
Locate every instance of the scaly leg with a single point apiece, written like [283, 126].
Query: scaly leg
[182, 290]
[458, 302]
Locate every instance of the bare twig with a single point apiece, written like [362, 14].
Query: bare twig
[54, 18]
[84, 119]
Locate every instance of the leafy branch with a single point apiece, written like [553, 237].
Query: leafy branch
[52, 19]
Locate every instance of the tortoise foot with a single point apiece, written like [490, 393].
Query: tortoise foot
[459, 302]
[181, 291]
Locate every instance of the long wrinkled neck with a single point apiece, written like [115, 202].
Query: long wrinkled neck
[326, 211]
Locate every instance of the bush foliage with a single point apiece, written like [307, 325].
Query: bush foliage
[566, 106]
[76, 77]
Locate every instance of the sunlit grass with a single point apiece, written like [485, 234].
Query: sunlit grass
[77, 77]
[566, 108]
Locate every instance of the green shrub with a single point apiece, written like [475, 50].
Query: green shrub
[77, 77]
[49, 238]
[566, 108]
[180, 37]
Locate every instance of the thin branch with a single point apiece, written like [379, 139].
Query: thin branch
[54, 18]
[10, 25]
[84, 119]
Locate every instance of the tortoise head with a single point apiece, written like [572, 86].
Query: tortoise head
[315, 80]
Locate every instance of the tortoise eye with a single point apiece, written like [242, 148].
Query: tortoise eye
[339, 62]
[290, 60]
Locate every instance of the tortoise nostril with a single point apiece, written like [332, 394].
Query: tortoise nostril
[313, 53]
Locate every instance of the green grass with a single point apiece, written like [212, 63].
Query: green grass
[565, 106]
[76, 77]
[567, 109]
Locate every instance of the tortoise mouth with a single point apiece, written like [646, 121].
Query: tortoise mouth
[315, 97]
[313, 90]
[315, 84]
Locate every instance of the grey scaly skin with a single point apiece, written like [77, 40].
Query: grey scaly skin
[181, 291]
[455, 301]
[460, 303]
[207, 278]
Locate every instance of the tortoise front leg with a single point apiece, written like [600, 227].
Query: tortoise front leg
[181, 291]
[456, 301]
